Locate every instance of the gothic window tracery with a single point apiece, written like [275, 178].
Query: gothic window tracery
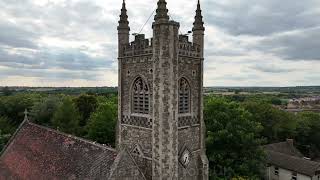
[184, 96]
[140, 97]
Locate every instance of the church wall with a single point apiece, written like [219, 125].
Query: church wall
[132, 136]
[165, 93]
[189, 138]
[132, 67]
[190, 68]
[192, 171]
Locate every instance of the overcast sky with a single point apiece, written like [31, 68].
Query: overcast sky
[74, 42]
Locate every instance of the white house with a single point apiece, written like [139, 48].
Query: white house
[285, 162]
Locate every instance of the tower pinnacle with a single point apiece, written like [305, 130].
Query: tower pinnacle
[123, 22]
[162, 11]
[198, 21]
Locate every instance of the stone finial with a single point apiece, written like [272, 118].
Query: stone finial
[198, 19]
[123, 22]
[162, 11]
[26, 115]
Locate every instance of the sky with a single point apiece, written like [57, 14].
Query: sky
[74, 42]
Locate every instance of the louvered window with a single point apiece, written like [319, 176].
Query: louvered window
[140, 97]
[184, 96]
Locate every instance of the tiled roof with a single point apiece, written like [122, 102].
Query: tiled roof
[37, 152]
[286, 156]
[292, 163]
[285, 148]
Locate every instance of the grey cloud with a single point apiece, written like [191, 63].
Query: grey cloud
[239, 77]
[262, 17]
[296, 45]
[72, 59]
[271, 68]
[14, 36]
[50, 75]
[25, 54]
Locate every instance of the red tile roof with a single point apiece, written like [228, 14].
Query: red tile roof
[37, 152]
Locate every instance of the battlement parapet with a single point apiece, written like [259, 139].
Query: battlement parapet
[142, 46]
[187, 48]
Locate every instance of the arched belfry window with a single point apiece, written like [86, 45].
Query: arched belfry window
[184, 96]
[140, 96]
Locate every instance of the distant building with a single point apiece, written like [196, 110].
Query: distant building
[304, 104]
[160, 130]
[285, 162]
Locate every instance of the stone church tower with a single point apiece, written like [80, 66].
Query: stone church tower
[160, 98]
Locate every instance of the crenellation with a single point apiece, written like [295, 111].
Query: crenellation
[140, 46]
[189, 49]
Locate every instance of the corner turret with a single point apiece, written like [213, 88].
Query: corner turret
[198, 29]
[123, 29]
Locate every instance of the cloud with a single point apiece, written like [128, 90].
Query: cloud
[272, 68]
[262, 17]
[13, 36]
[50, 74]
[67, 59]
[74, 42]
[294, 45]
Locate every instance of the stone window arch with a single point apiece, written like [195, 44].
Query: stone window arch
[140, 96]
[184, 96]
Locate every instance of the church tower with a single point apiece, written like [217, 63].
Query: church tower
[160, 121]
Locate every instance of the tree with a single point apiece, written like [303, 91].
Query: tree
[13, 106]
[42, 112]
[86, 105]
[7, 91]
[67, 117]
[276, 101]
[102, 123]
[5, 126]
[277, 125]
[308, 132]
[233, 143]
[3, 139]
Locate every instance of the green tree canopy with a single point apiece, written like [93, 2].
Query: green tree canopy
[86, 104]
[13, 106]
[67, 117]
[42, 112]
[102, 123]
[278, 125]
[308, 131]
[7, 91]
[5, 126]
[233, 143]
[3, 139]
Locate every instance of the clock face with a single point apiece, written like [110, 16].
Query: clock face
[185, 157]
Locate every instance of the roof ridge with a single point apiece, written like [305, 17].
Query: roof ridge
[25, 121]
[73, 137]
[295, 157]
[293, 163]
[282, 142]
